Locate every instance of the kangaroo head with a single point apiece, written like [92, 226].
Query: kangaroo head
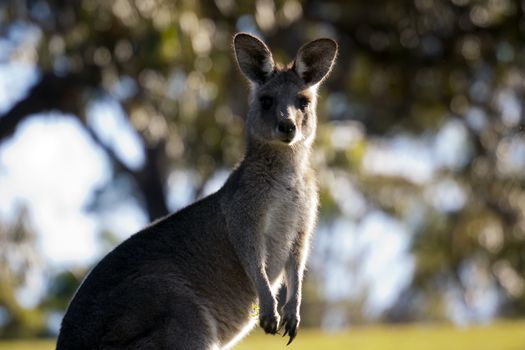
[282, 109]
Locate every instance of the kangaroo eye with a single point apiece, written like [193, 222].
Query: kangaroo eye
[266, 102]
[303, 102]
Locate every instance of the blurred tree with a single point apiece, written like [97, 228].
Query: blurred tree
[429, 71]
[20, 265]
[62, 287]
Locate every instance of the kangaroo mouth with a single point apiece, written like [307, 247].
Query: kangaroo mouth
[287, 139]
[280, 138]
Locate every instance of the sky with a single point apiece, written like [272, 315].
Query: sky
[51, 167]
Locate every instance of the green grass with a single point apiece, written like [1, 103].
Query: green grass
[499, 336]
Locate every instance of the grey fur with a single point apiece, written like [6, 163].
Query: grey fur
[190, 280]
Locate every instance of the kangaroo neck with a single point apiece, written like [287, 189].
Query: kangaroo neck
[275, 157]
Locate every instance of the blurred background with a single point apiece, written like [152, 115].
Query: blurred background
[114, 113]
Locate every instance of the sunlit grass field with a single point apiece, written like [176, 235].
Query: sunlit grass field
[499, 336]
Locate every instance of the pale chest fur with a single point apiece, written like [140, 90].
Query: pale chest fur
[272, 199]
[291, 211]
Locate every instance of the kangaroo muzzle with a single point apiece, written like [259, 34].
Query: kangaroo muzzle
[286, 130]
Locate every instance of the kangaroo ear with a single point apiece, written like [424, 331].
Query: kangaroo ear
[254, 58]
[315, 60]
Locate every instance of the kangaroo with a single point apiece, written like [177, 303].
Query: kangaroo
[191, 280]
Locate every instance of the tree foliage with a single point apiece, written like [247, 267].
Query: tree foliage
[19, 267]
[426, 72]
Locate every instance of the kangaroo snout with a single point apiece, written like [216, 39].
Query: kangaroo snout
[286, 130]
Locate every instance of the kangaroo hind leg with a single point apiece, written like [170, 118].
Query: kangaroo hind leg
[166, 320]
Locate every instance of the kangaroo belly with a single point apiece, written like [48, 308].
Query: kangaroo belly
[277, 254]
[281, 231]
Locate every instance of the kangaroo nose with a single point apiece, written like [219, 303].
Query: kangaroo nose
[287, 129]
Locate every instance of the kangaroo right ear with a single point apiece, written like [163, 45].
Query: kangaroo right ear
[254, 58]
[315, 60]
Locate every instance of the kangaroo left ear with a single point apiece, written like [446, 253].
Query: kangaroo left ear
[315, 60]
[254, 58]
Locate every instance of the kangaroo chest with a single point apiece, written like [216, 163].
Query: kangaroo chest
[286, 212]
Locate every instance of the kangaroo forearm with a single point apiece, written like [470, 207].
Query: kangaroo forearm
[252, 259]
[294, 277]
[295, 267]
[262, 285]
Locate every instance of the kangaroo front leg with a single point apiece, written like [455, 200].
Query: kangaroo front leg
[246, 234]
[294, 278]
[268, 315]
